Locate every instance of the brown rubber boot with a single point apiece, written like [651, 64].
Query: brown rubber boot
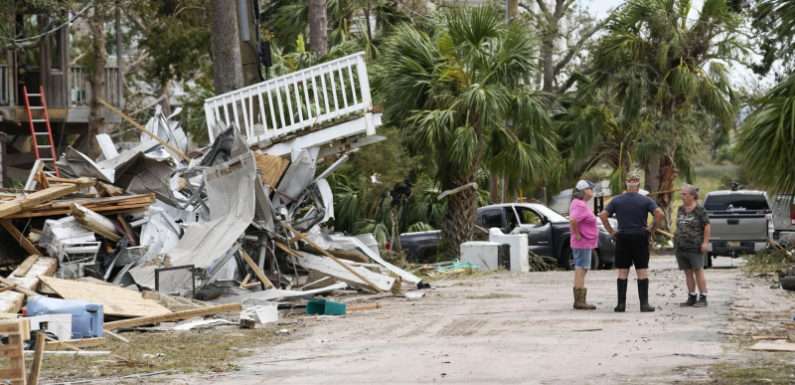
[579, 300]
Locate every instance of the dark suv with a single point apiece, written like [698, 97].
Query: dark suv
[547, 232]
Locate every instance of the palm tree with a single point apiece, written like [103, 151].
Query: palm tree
[668, 74]
[461, 95]
[767, 136]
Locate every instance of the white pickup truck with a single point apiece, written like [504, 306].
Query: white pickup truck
[741, 222]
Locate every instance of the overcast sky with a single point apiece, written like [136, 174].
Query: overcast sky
[741, 76]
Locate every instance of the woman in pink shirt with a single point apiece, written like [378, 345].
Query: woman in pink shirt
[584, 238]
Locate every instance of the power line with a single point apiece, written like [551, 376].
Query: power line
[52, 30]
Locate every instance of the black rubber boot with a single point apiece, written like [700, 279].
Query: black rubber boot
[691, 300]
[702, 301]
[643, 295]
[621, 286]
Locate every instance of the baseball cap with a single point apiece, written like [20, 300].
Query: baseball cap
[583, 185]
[633, 175]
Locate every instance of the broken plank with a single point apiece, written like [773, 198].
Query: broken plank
[270, 167]
[80, 343]
[33, 199]
[11, 301]
[303, 237]
[95, 222]
[774, 346]
[374, 281]
[257, 271]
[116, 301]
[16, 287]
[25, 266]
[128, 232]
[38, 356]
[176, 316]
[23, 241]
[116, 336]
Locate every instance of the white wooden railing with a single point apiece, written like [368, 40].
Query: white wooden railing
[312, 97]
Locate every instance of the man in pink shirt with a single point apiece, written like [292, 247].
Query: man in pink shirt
[584, 238]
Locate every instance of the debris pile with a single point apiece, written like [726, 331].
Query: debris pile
[110, 238]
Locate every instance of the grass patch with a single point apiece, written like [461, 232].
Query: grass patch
[766, 372]
[493, 296]
[182, 352]
[769, 261]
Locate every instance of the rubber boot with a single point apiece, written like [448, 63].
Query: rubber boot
[579, 299]
[691, 300]
[643, 294]
[702, 301]
[621, 286]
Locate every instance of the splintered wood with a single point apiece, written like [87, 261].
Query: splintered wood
[11, 300]
[116, 301]
[270, 168]
[109, 205]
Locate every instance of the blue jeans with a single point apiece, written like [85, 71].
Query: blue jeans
[582, 258]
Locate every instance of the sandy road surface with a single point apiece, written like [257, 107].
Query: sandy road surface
[507, 328]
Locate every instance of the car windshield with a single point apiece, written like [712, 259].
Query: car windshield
[736, 202]
[550, 214]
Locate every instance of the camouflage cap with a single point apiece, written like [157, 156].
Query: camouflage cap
[634, 175]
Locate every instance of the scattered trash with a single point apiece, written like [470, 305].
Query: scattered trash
[325, 307]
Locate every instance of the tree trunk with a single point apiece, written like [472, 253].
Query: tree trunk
[511, 9]
[225, 42]
[660, 177]
[318, 27]
[96, 80]
[459, 220]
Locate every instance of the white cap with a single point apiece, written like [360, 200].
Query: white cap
[583, 185]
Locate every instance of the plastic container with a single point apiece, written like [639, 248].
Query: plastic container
[87, 318]
[323, 307]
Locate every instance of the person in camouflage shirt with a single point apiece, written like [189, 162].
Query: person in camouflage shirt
[691, 242]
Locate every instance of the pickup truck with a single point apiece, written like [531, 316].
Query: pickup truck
[740, 222]
[547, 232]
[784, 219]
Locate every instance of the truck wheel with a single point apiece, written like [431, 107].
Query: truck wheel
[788, 283]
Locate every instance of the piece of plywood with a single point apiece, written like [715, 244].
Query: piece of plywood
[774, 346]
[271, 168]
[11, 301]
[175, 316]
[25, 266]
[115, 301]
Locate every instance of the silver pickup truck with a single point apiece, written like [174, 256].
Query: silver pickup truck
[741, 222]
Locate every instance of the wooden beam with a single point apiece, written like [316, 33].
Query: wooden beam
[24, 268]
[31, 200]
[176, 316]
[257, 271]
[23, 241]
[13, 286]
[38, 356]
[95, 222]
[77, 344]
[127, 230]
[141, 128]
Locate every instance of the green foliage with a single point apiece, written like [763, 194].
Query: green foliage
[767, 138]
[657, 85]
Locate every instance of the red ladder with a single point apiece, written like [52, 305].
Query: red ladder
[36, 134]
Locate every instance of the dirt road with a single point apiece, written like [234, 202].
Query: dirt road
[506, 328]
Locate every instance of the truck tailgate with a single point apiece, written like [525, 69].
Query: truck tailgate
[738, 227]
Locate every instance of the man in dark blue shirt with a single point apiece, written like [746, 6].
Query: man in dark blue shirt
[632, 239]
